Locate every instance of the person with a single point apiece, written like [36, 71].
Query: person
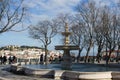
[1, 60]
[4, 59]
[51, 59]
[41, 59]
[10, 59]
[60, 59]
[14, 59]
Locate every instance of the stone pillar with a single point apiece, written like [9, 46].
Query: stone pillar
[67, 61]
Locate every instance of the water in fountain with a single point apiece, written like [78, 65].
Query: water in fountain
[83, 67]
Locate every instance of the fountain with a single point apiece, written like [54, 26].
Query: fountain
[69, 71]
[67, 61]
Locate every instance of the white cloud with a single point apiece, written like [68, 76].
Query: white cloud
[116, 1]
[44, 9]
[35, 18]
[106, 2]
[30, 5]
[52, 7]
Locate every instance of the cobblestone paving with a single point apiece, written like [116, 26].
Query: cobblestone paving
[4, 75]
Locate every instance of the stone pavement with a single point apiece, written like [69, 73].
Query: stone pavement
[4, 75]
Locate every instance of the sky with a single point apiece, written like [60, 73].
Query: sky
[40, 10]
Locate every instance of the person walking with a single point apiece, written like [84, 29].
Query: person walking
[41, 59]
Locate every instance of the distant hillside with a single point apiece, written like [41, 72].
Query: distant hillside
[20, 47]
[31, 47]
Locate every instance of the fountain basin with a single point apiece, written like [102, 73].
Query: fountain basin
[66, 47]
[68, 75]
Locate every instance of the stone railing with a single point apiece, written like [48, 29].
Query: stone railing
[28, 61]
[67, 75]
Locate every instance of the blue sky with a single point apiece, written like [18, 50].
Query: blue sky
[39, 10]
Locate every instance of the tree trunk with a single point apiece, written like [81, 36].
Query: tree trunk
[79, 55]
[110, 55]
[46, 53]
[117, 57]
[98, 55]
[87, 57]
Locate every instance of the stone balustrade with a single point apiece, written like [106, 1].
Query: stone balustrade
[28, 61]
[69, 75]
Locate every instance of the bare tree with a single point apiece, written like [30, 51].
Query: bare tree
[118, 28]
[77, 37]
[11, 13]
[88, 13]
[61, 20]
[44, 31]
[110, 31]
[99, 40]
[98, 32]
